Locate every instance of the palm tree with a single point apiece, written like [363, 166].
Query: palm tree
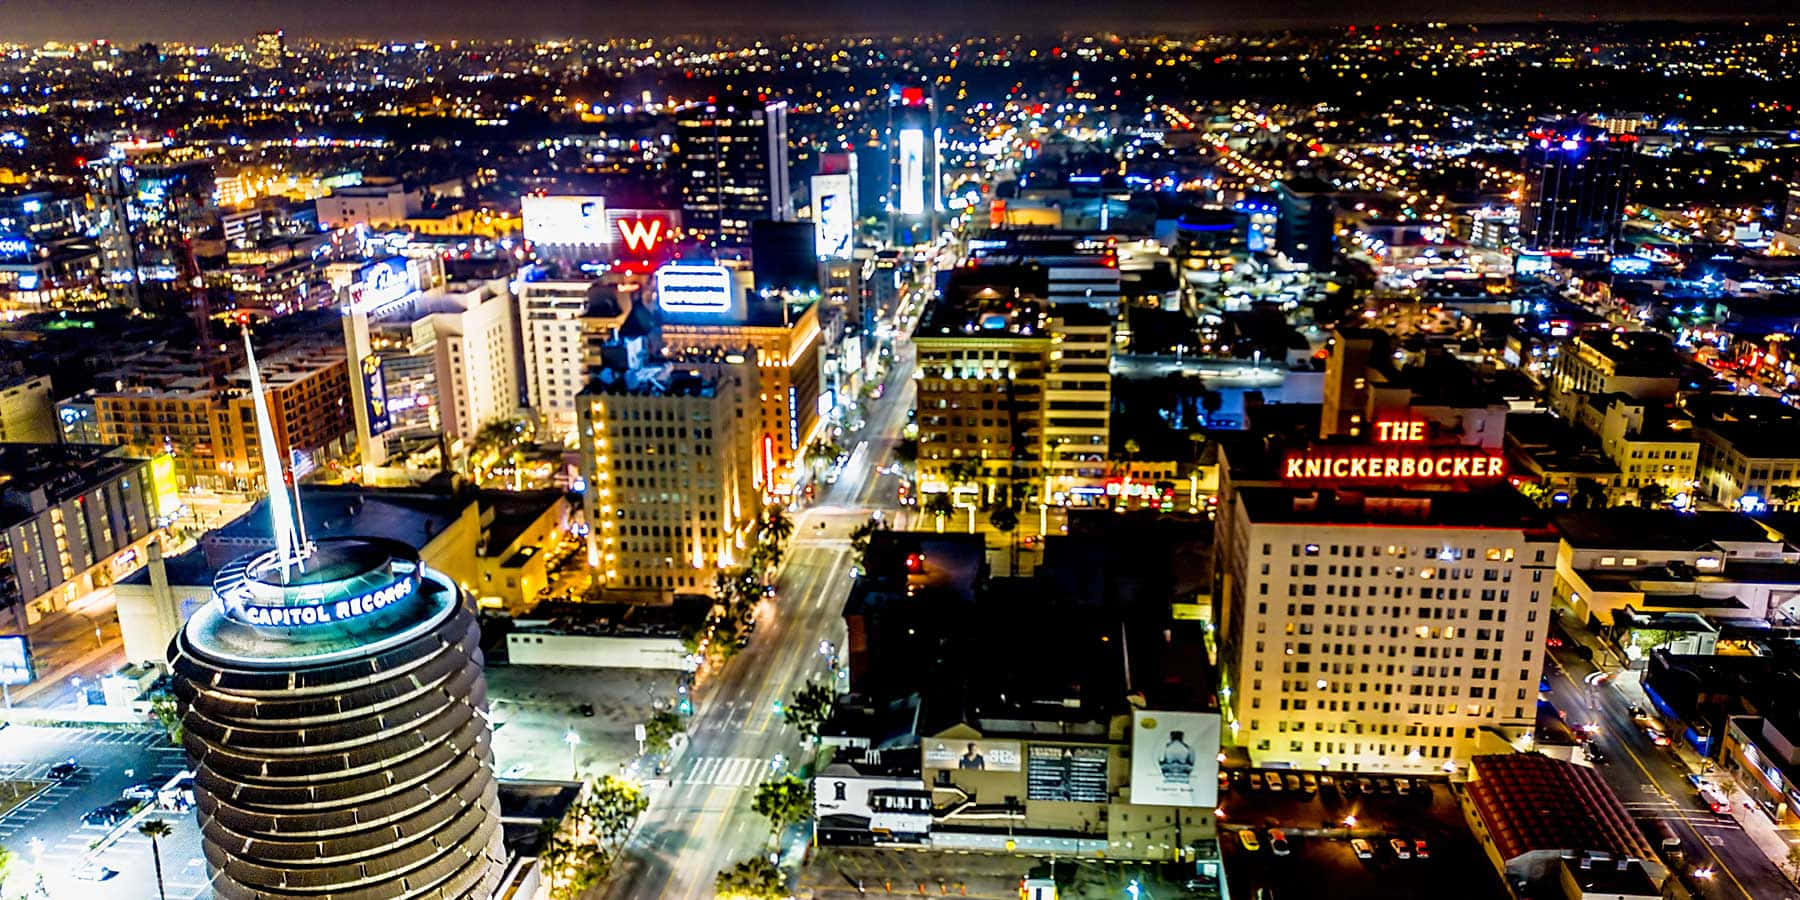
[156, 829]
[777, 525]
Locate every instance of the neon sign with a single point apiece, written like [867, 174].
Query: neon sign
[324, 614]
[694, 289]
[1451, 465]
[641, 235]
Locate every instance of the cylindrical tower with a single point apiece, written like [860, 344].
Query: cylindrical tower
[336, 717]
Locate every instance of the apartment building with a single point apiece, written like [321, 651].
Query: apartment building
[668, 458]
[787, 347]
[1384, 629]
[209, 426]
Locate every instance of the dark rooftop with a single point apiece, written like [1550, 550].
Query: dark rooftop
[1497, 506]
[1637, 528]
[34, 477]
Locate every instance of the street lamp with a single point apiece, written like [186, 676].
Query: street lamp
[573, 740]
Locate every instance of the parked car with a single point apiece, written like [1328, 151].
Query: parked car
[111, 814]
[1310, 782]
[1247, 837]
[1278, 842]
[64, 770]
[1402, 850]
[1224, 781]
[1272, 780]
[1384, 786]
[1656, 737]
[1292, 782]
[1327, 783]
[1363, 849]
[1403, 786]
[1365, 785]
[1420, 850]
[143, 791]
[94, 872]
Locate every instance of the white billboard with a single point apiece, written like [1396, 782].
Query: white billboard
[834, 215]
[565, 220]
[1175, 758]
[898, 808]
[961, 753]
[695, 289]
[912, 172]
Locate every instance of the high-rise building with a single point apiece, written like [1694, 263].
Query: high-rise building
[835, 204]
[1384, 629]
[335, 714]
[270, 49]
[1021, 388]
[1306, 230]
[670, 455]
[559, 321]
[733, 165]
[1575, 187]
[334, 710]
[1792, 224]
[915, 189]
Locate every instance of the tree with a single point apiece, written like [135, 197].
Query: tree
[784, 801]
[1652, 494]
[752, 879]
[963, 471]
[777, 525]
[156, 830]
[809, 708]
[1793, 858]
[907, 451]
[1589, 494]
[1006, 522]
[168, 714]
[610, 809]
[939, 505]
[1787, 495]
[663, 725]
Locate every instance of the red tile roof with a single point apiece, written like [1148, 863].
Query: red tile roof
[1529, 802]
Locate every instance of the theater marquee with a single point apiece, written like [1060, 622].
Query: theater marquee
[1446, 465]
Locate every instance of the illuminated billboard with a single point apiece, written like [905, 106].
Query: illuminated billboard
[15, 660]
[695, 289]
[565, 220]
[1174, 758]
[834, 215]
[375, 394]
[163, 485]
[960, 753]
[912, 172]
[1357, 465]
[379, 284]
[1067, 774]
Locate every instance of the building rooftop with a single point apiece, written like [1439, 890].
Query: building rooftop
[409, 516]
[1637, 528]
[34, 477]
[1495, 506]
[1530, 802]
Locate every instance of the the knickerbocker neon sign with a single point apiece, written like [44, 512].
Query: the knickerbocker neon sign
[1380, 463]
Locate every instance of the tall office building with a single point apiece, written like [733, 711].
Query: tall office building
[1575, 187]
[669, 455]
[915, 190]
[270, 49]
[733, 165]
[560, 322]
[335, 714]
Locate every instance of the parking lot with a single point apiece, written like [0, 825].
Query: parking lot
[47, 833]
[842, 873]
[534, 706]
[1319, 825]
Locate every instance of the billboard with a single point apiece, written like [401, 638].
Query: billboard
[375, 394]
[641, 233]
[695, 289]
[896, 809]
[565, 220]
[1174, 758]
[381, 283]
[912, 172]
[961, 753]
[1068, 774]
[834, 215]
[15, 660]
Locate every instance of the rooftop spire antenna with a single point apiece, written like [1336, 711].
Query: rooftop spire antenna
[290, 543]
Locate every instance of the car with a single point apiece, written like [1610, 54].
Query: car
[94, 872]
[1241, 781]
[1656, 737]
[111, 814]
[1224, 780]
[1310, 782]
[1402, 785]
[1292, 782]
[1256, 781]
[587, 710]
[1365, 785]
[1278, 842]
[1362, 848]
[64, 770]
[1247, 837]
[1594, 754]
[1272, 780]
[1553, 641]
[143, 791]
[1384, 786]
[1327, 783]
[1420, 850]
[1402, 850]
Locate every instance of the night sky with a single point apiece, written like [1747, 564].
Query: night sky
[231, 20]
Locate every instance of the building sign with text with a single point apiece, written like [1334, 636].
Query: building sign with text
[1399, 455]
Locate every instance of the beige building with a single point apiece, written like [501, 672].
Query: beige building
[788, 357]
[668, 457]
[1021, 389]
[1385, 630]
[28, 412]
[558, 320]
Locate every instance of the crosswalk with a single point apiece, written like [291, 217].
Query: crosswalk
[1664, 808]
[724, 771]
